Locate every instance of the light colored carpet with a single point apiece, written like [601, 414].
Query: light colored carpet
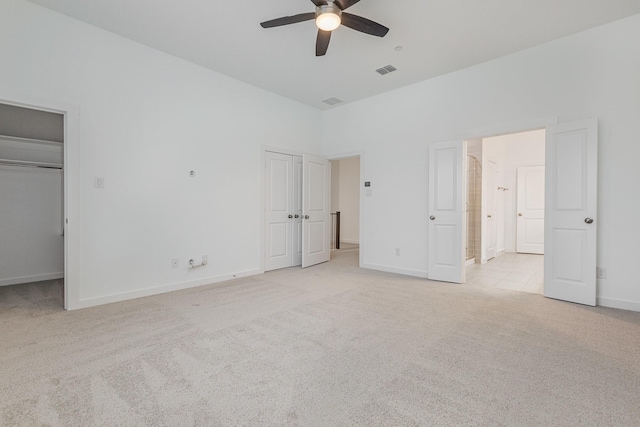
[326, 346]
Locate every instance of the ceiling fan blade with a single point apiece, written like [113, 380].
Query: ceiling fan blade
[345, 4]
[322, 42]
[319, 2]
[286, 20]
[364, 25]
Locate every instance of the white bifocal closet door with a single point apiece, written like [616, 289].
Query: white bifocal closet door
[282, 193]
[570, 211]
[446, 211]
[316, 233]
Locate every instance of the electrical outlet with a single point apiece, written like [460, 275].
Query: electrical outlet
[205, 259]
[601, 273]
[175, 263]
[397, 251]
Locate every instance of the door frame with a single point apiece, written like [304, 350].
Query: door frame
[71, 187]
[361, 220]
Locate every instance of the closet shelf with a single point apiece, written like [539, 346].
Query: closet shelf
[33, 141]
[25, 163]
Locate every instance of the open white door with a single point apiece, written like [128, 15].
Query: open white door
[530, 207]
[316, 202]
[491, 235]
[279, 194]
[446, 211]
[570, 211]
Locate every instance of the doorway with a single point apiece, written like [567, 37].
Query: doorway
[32, 263]
[345, 203]
[511, 206]
[570, 223]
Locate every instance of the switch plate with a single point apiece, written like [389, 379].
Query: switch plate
[98, 182]
[601, 273]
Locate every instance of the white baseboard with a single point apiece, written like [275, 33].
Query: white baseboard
[469, 262]
[352, 241]
[30, 279]
[125, 296]
[618, 303]
[389, 269]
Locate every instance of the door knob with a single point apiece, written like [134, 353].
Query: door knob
[290, 216]
[296, 216]
[306, 217]
[588, 220]
[488, 216]
[519, 213]
[432, 217]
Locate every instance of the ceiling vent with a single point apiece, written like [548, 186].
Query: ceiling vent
[332, 101]
[386, 70]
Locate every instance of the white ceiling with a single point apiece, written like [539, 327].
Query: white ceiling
[437, 36]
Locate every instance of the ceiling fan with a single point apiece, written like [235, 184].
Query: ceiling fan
[329, 15]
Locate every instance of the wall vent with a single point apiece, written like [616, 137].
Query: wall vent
[332, 101]
[386, 70]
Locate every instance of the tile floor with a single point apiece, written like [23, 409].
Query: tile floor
[511, 271]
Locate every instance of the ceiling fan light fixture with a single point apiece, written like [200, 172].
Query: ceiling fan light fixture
[328, 17]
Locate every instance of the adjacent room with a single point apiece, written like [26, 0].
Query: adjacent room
[505, 211]
[171, 175]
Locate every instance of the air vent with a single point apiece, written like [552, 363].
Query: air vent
[332, 101]
[386, 70]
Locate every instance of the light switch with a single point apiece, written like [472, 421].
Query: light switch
[98, 182]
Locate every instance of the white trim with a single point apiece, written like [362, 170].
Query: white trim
[403, 271]
[30, 279]
[509, 128]
[469, 262]
[618, 303]
[352, 241]
[140, 293]
[71, 169]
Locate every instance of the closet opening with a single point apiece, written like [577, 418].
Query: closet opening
[32, 256]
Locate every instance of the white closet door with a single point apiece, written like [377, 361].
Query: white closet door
[297, 211]
[571, 211]
[279, 196]
[530, 207]
[316, 197]
[446, 220]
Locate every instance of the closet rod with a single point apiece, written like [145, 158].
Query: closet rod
[27, 164]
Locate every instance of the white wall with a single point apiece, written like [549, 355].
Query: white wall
[30, 225]
[146, 120]
[590, 74]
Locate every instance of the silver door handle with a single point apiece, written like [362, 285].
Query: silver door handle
[588, 220]
[296, 216]
[290, 216]
[488, 216]
[306, 217]
[519, 213]
[432, 217]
